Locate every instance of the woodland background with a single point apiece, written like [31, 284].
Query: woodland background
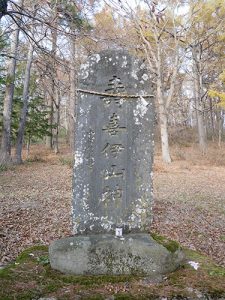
[43, 43]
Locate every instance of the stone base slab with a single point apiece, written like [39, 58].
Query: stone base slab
[137, 254]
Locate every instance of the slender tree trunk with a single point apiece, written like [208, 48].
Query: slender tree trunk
[221, 120]
[197, 71]
[222, 130]
[212, 119]
[162, 115]
[72, 97]
[49, 138]
[28, 146]
[201, 130]
[220, 134]
[20, 136]
[57, 120]
[5, 153]
[164, 130]
[51, 97]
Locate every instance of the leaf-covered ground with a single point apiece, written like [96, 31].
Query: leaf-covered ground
[189, 207]
[190, 201]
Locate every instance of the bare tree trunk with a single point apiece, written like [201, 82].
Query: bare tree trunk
[5, 153]
[197, 70]
[53, 74]
[48, 139]
[72, 97]
[57, 121]
[212, 119]
[28, 146]
[162, 113]
[20, 137]
[221, 120]
[163, 128]
[201, 129]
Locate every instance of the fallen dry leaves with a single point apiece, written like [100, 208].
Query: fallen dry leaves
[35, 206]
[189, 206]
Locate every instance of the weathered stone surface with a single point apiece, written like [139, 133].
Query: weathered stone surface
[112, 184]
[105, 254]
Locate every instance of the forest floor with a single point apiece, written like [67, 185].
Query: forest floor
[189, 205]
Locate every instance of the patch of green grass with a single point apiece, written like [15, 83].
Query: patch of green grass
[124, 297]
[6, 298]
[205, 262]
[28, 295]
[4, 271]
[222, 237]
[95, 297]
[28, 254]
[3, 168]
[52, 287]
[208, 278]
[6, 167]
[43, 260]
[86, 280]
[10, 291]
[102, 279]
[217, 271]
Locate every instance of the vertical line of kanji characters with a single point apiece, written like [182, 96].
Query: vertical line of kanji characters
[113, 175]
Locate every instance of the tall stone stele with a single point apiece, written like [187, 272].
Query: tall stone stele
[112, 184]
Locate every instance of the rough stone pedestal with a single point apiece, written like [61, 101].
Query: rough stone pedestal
[105, 254]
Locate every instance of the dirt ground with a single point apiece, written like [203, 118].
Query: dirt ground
[189, 205]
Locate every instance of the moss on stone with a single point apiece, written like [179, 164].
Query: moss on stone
[171, 246]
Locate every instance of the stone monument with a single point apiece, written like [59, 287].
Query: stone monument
[112, 184]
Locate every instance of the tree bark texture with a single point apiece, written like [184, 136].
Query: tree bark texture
[163, 126]
[72, 97]
[57, 120]
[23, 116]
[5, 153]
[51, 94]
[163, 119]
[197, 73]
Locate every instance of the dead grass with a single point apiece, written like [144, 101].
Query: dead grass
[189, 156]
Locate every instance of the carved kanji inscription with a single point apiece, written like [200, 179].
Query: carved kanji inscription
[113, 172]
[112, 150]
[115, 86]
[113, 145]
[113, 127]
[112, 195]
